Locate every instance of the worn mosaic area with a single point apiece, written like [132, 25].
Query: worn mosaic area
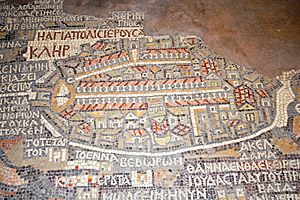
[96, 109]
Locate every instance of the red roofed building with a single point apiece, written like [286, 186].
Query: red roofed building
[244, 95]
[170, 50]
[159, 128]
[99, 45]
[262, 93]
[210, 66]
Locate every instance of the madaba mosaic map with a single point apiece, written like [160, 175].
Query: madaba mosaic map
[94, 108]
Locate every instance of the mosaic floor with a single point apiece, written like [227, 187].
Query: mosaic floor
[94, 108]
